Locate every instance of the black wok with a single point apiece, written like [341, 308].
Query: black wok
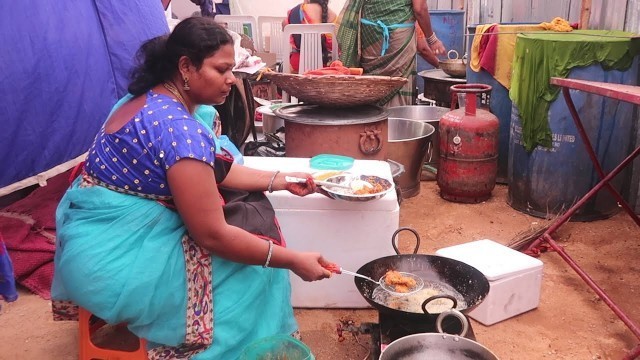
[464, 278]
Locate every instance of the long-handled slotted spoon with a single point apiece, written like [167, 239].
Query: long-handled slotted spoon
[389, 287]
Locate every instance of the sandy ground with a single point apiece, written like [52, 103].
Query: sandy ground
[571, 322]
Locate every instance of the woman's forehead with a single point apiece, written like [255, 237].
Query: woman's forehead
[225, 54]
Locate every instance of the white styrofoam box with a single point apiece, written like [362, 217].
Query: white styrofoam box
[348, 233]
[515, 278]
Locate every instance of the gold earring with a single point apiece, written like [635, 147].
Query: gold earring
[186, 84]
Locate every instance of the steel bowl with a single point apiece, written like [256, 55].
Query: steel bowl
[342, 194]
[454, 67]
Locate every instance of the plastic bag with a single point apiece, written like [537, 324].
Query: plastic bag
[271, 146]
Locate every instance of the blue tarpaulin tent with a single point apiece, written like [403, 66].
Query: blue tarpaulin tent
[62, 67]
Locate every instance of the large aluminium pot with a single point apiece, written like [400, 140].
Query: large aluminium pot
[466, 280]
[408, 144]
[436, 346]
[360, 132]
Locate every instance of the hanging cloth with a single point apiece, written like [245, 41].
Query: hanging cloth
[541, 56]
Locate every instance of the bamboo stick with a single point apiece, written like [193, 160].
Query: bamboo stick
[585, 14]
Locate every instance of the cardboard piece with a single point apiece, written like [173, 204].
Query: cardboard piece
[268, 58]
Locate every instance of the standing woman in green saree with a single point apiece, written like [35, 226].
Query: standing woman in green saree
[379, 36]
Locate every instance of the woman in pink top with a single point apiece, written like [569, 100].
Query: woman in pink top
[309, 12]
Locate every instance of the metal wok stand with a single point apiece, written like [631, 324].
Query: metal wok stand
[625, 93]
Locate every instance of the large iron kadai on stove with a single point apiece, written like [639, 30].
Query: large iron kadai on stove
[436, 271]
[468, 149]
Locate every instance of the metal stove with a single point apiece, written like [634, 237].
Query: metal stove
[390, 328]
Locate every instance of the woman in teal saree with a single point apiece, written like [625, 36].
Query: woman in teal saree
[161, 232]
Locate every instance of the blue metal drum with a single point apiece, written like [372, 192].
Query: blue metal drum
[548, 181]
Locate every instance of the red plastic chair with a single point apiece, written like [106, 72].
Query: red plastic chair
[89, 351]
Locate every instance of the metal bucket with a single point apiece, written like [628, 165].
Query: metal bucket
[408, 145]
[429, 114]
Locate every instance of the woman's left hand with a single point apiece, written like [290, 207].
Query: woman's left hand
[217, 126]
[300, 189]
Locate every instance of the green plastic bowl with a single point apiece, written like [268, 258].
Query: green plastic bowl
[278, 347]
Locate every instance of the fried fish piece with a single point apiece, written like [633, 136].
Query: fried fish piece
[399, 282]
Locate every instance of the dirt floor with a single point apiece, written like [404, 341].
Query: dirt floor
[571, 322]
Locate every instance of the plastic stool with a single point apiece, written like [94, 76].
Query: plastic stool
[89, 351]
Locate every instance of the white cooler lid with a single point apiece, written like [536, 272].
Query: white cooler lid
[288, 201]
[492, 259]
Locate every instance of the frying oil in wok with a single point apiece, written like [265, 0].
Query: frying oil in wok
[413, 303]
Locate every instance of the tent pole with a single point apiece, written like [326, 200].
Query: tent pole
[585, 14]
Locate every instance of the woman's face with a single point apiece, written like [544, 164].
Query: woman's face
[212, 82]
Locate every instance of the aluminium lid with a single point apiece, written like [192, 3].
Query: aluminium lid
[320, 115]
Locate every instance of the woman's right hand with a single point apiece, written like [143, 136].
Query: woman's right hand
[426, 53]
[437, 47]
[311, 266]
[299, 189]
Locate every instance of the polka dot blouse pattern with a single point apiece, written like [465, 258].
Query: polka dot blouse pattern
[138, 155]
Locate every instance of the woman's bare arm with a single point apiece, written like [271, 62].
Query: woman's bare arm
[195, 194]
[421, 13]
[249, 179]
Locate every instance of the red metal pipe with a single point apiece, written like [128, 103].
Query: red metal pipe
[567, 215]
[630, 94]
[635, 353]
[592, 284]
[592, 154]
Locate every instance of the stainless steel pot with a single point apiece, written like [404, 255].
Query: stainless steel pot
[408, 145]
[428, 114]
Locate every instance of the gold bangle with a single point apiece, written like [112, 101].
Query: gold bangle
[269, 188]
[266, 263]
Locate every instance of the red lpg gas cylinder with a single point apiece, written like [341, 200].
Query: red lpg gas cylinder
[468, 149]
